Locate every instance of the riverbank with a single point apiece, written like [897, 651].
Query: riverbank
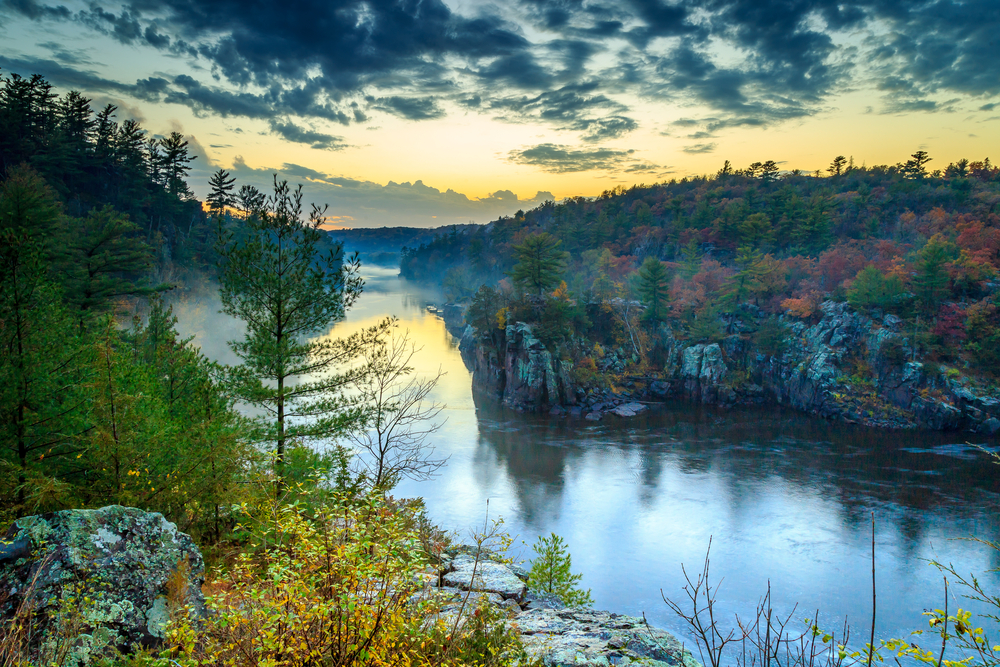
[845, 366]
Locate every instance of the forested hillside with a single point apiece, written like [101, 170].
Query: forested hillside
[90, 160]
[900, 239]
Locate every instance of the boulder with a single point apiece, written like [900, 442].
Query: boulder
[584, 637]
[109, 578]
[491, 577]
[629, 409]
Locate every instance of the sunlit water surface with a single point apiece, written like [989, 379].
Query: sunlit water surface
[784, 498]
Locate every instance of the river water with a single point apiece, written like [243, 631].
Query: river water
[785, 499]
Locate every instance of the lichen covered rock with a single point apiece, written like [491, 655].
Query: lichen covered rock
[98, 580]
[585, 637]
[491, 577]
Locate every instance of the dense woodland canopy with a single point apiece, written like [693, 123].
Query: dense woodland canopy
[101, 401]
[891, 239]
[91, 159]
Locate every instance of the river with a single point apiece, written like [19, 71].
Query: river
[783, 497]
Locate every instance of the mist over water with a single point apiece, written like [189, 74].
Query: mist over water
[784, 497]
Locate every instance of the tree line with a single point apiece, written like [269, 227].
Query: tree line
[902, 239]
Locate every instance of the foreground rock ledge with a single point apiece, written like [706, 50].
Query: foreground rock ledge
[119, 569]
[556, 636]
[584, 637]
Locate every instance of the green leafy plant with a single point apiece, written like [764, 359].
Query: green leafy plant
[551, 572]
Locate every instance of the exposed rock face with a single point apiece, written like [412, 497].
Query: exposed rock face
[552, 633]
[817, 373]
[491, 577]
[102, 576]
[583, 637]
[527, 377]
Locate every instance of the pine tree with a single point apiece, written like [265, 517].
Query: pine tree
[176, 163]
[540, 263]
[551, 573]
[654, 289]
[103, 260]
[277, 280]
[220, 197]
[932, 281]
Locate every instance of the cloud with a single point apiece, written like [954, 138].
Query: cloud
[699, 149]
[360, 203]
[559, 159]
[743, 63]
[292, 132]
[407, 107]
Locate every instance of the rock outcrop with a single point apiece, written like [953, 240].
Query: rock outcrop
[526, 376]
[845, 366]
[584, 637]
[553, 634]
[98, 580]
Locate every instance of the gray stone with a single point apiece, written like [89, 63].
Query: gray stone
[584, 638]
[660, 389]
[594, 416]
[107, 569]
[691, 361]
[991, 426]
[490, 577]
[629, 409]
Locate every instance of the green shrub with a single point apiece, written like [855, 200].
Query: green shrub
[550, 572]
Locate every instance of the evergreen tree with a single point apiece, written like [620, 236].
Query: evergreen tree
[551, 573]
[103, 260]
[654, 289]
[706, 327]
[40, 373]
[932, 280]
[285, 289]
[220, 197]
[540, 263]
[176, 164]
[873, 289]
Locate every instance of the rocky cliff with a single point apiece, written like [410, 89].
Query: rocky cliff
[845, 366]
[524, 375]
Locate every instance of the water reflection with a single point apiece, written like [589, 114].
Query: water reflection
[784, 497]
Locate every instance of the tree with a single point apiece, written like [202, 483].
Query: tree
[250, 200]
[103, 260]
[836, 167]
[221, 184]
[654, 289]
[706, 327]
[769, 171]
[551, 572]
[41, 370]
[771, 336]
[540, 263]
[279, 283]
[391, 442]
[175, 160]
[932, 281]
[916, 166]
[873, 289]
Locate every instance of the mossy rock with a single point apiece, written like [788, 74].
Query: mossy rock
[96, 582]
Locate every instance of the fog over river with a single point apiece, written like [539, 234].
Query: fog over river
[784, 497]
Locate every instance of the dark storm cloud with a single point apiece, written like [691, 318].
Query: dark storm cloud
[787, 58]
[410, 108]
[578, 107]
[558, 159]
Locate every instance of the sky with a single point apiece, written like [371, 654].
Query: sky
[432, 112]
